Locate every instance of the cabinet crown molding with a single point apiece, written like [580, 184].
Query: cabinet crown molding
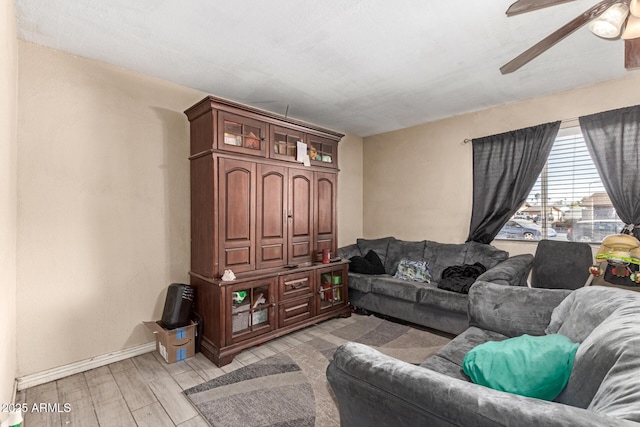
[211, 102]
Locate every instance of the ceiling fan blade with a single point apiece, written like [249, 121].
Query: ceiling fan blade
[524, 6]
[634, 8]
[556, 36]
[632, 53]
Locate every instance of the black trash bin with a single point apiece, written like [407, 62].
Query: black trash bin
[177, 306]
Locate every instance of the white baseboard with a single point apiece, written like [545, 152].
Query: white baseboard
[43, 377]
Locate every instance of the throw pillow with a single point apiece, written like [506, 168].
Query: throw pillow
[417, 271]
[369, 264]
[529, 366]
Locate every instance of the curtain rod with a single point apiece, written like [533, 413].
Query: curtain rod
[563, 124]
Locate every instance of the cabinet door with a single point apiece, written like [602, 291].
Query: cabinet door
[251, 309]
[236, 216]
[322, 151]
[331, 288]
[241, 134]
[300, 214]
[325, 212]
[271, 218]
[283, 143]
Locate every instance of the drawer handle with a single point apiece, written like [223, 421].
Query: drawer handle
[297, 284]
[297, 307]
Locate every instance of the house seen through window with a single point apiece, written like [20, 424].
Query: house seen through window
[568, 201]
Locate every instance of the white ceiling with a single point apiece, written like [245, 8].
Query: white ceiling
[357, 66]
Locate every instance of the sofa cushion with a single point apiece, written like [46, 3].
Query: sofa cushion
[397, 288]
[513, 271]
[604, 377]
[585, 308]
[417, 271]
[399, 250]
[529, 366]
[361, 282]
[612, 352]
[446, 300]
[513, 310]
[487, 255]
[378, 245]
[346, 252]
[442, 255]
[448, 360]
[443, 366]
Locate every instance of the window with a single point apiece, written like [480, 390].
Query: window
[568, 201]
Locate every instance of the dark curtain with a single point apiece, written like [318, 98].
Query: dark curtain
[505, 168]
[613, 140]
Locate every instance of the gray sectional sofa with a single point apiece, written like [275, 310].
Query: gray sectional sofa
[603, 388]
[424, 303]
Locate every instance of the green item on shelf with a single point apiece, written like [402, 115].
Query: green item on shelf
[337, 280]
[238, 297]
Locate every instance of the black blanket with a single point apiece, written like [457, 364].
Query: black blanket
[459, 278]
[369, 264]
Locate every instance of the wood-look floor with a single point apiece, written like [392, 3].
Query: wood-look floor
[144, 390]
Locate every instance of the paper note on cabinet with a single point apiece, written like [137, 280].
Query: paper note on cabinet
[302, 151]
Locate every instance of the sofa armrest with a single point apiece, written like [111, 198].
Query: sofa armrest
[374, 389]
[512, 310]
[347, 252]
[513, 271]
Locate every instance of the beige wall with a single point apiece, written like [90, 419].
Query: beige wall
[103, 182]
[103, 205]
[8, 199]
[418, 181]
[350, 190]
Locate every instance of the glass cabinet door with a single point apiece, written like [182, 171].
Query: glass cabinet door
[322, 151]
[331, 288]
[284, 143]
[252, 309]
[241, 134]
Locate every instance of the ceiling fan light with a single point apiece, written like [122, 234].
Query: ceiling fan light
[634, 8]
[632, 30]
[609, 24]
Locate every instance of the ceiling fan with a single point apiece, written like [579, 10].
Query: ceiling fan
[610, 19]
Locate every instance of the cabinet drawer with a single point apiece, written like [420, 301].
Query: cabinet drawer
[295, 310]
[296, 285]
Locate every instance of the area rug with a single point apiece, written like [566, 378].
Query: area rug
[290, 388]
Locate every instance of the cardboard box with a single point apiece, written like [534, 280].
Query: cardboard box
[174, 344]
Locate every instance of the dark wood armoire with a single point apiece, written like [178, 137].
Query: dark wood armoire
[259, 212]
